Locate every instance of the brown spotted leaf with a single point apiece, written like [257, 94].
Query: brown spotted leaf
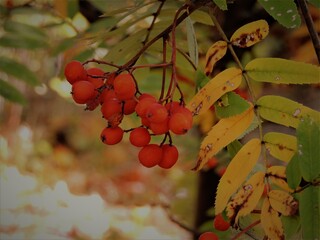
[224, 82]
[250, 34]
[247, 198]
[224, 132]
[283, 202]
[277, 175]
[214, 54]
[237, 171]
[271, 222]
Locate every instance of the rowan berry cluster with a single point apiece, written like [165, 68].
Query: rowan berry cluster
[118, 96]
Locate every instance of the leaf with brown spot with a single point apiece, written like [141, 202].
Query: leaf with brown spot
[224, 82]
[250, 34]
[237, 172]
[247, 198]
[271, 222]
[281, 146]
[283, 202]
[214, 54]
[277, 175]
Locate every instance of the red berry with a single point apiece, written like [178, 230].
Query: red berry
[172, 107]
[156, 113]
[124, 86]
[145, 122]
[220, 224]
[160, 128]
[83, 91]
[111, 107]
[181, 121]
[107, 94]
[169, 157]
[111, 136]
[143, 105]
[110, 78]
[129, 106]
[74, 71]
[150, 155]
[139, 137]
[97, 82]
[208, 236]
[212, 162]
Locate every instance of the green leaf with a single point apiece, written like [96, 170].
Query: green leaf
[277, 70]
[11, 93]
[236, 105]
[192, 42]
[284, 11]
[309, 211]
[234, 147]
[284, 111]
[222, 4]
[201, 17]
[63, 45]
[24, 30]
[308, 136]
[293, 172]
[201, 79]
[291, 225]
[316, 3]
[18, 70]
[20, 41]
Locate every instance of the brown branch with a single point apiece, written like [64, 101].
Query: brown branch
[311, 28]
[245, 230]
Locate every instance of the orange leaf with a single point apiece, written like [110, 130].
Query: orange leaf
[223, 133]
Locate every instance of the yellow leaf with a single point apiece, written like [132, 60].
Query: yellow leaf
[281, 146]
[250, 34]
[247, 198]
[223, 133]
[224, 82]
[283, 202]
[214, 54]
[277, 175]
[237, 172]
[271, 222]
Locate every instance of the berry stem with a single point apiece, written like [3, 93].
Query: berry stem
[151, 65]
[101, 62]
[246, 229]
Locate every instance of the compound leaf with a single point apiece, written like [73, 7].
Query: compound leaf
[293, 172]
[271, 222]
[11, 93]
[18, 70]
[214, 54]
[230, 181]
[225, 81]
[284, 11]
[309, 210]
[277, 175]
[278, 70]
[247, 198]
[250, 34]
[284, 111]
[281, 146]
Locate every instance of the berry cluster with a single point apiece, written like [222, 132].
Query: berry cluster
[118, 95]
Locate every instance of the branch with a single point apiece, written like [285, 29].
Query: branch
[311, 28]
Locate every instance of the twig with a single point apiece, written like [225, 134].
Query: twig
[311, 28]
[245, 230]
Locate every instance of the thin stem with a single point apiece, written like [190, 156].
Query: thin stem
[155, 15]
[311, 28]
[101, 62]
[164, 65]
[164, 69]
[246, 229]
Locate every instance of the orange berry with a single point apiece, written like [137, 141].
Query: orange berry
[97, 80]
[208, 236]
[150, 155]
[159, 128]
[82, 91]
[74, 71]
[124, 86]
[143, 105]
[156, 113]
[111, 136]
[112, 106]
[180, 121]
[139, 137]
[129, 106]
[169, 157]
[220, 224]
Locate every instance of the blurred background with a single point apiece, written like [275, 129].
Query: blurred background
[57, 179]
